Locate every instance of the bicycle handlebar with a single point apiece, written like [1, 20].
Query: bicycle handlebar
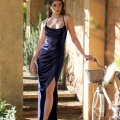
[101, 67]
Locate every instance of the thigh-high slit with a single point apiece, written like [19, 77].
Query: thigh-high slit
[43, 84]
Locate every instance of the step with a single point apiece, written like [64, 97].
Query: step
[69, 117]
[64, 107]
[28, 114]
[30, 105]
[70, 105]
[62, 117]
[32, 85]
[61, 94]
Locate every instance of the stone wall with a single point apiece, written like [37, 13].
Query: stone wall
[11, 54]
[75, 60]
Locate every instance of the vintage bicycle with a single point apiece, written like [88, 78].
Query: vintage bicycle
[98, 104]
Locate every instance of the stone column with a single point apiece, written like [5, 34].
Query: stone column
[113, 31]
[94, 44]
[11, 54]
[112, 48]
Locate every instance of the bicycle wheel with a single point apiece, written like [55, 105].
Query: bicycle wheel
[98, 106]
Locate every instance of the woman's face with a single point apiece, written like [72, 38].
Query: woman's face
[56, 7]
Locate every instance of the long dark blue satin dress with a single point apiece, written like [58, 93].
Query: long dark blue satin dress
[50, 62]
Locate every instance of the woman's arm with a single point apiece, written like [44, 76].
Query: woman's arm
[37, 50]
[70, 27]
[40, 42]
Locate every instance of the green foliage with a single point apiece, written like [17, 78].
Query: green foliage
[24, 15]
[111, 70]
[117, 62]
[3, 110]
[66, 59]
[43, 12]
[7, 111]
[94, 24]
[31, 42]
[24, 18]
[24, 11]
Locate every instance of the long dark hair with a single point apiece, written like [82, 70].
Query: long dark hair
[49, 12]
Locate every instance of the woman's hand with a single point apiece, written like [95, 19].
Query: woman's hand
[32, 68]
[89, 57]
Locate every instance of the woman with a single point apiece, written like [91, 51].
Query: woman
[50, 55]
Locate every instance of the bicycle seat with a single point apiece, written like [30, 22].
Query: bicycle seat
[118, 75]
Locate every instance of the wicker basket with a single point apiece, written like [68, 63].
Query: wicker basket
[94, 76]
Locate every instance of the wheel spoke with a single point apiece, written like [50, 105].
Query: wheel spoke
[97, 106]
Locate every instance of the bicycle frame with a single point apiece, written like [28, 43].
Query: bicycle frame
[101, 90]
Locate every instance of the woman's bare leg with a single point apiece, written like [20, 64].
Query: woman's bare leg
[49, 99]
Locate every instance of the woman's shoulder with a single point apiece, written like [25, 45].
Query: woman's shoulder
[68, 16]
[43, 23]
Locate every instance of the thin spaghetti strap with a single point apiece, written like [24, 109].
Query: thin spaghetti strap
[46, 22]
[63, 20]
